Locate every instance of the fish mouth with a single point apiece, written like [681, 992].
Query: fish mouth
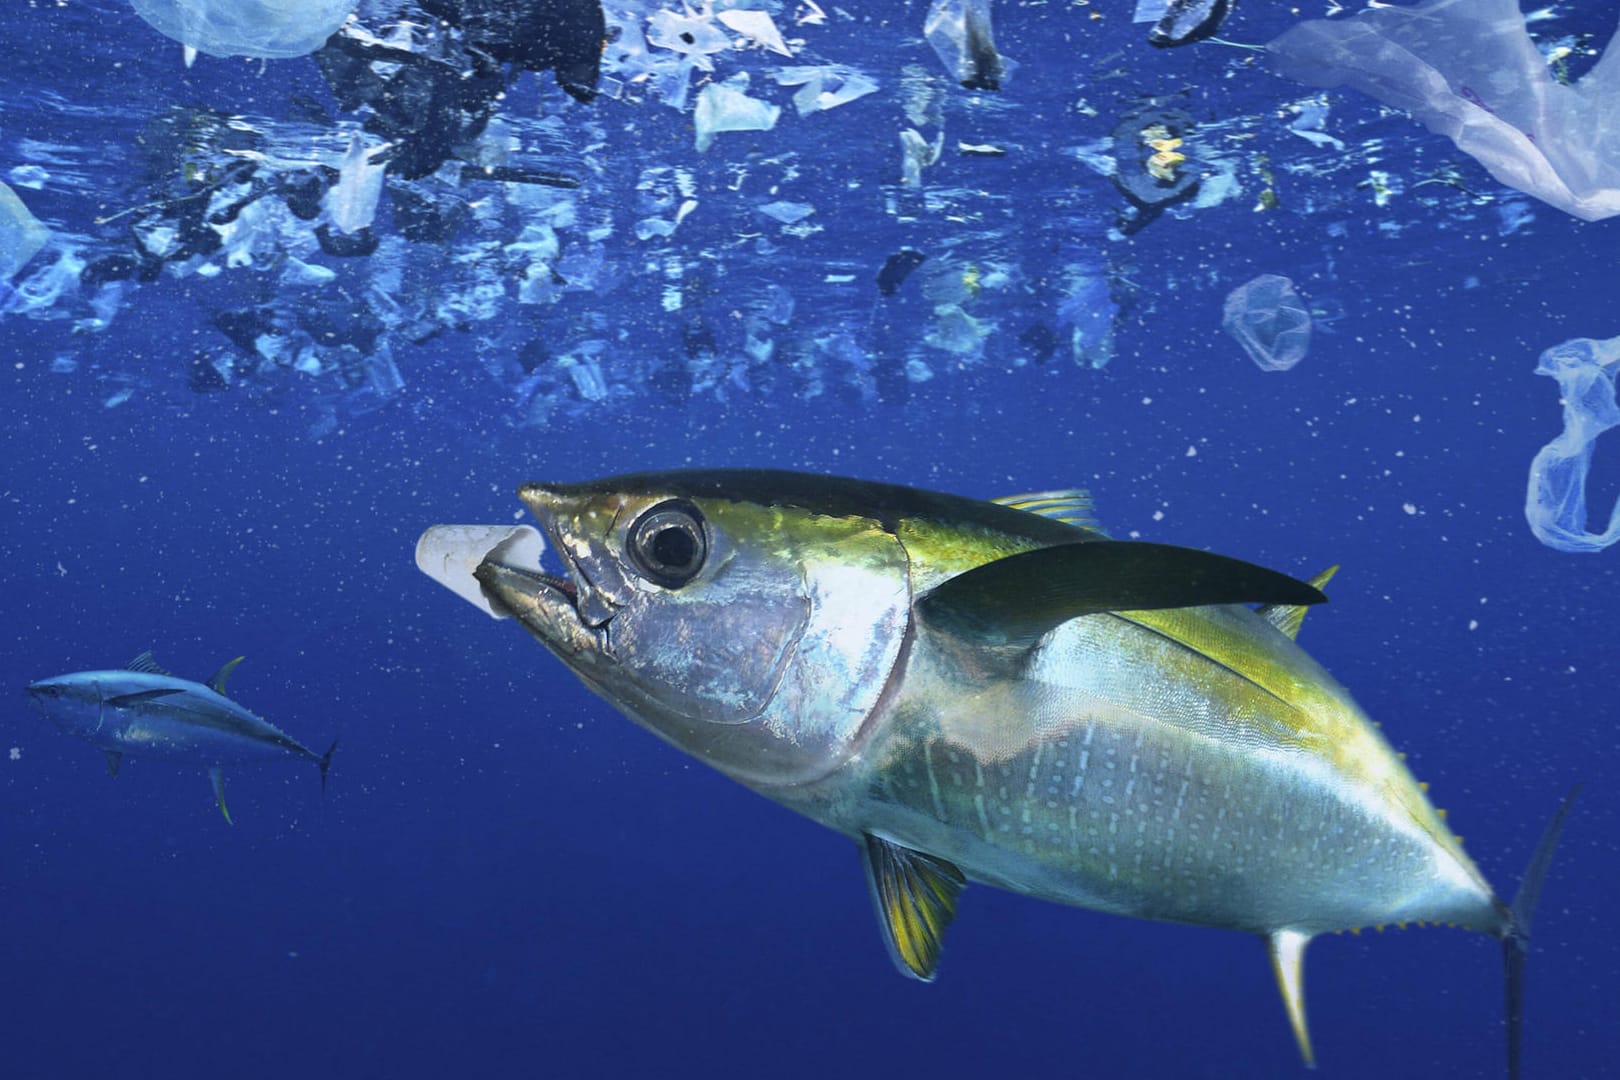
[547, 604]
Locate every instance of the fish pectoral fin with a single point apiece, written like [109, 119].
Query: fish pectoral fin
[124, 701]
[1287, 948]
[216, 777]
[217, 683]
[1017, 599]
[114, 759]
[1289, 617]
[915, 898]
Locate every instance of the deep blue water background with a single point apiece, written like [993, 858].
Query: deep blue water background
[508, 879]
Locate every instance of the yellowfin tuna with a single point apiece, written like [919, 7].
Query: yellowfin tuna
[997, 692]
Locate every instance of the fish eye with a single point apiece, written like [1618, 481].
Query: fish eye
[668, 544]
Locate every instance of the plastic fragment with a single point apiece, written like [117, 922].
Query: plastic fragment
[962, 38]
[269, 29]
[758, 27]
[21, 234]
[1555, 501]
[1270, 321]
[727, 107]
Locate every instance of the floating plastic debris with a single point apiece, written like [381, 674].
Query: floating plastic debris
[691, 33]
[960, 33]
[1469, 71]
[351, 203]
[758, 27]
[787, 212]
[450, 553]
[21, 234]
[1186, 21]
[823, 88]
[727, 107]
[1270, 321]
[269, 29]
[1555, 502]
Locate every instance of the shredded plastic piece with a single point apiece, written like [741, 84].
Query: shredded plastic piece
[1555, 503]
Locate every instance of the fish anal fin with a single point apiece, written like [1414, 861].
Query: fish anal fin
[1072, 506]
[146, 663]
[115, 758]
[914, 895]
[1287, 949]
[124, 701]
[217, 683]
[216, 777]
[1288, 617]
[1017, 599]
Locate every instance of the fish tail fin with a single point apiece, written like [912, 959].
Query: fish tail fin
[1516, 938]
[326, 762]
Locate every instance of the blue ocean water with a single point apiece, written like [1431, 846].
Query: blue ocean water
[213, 450]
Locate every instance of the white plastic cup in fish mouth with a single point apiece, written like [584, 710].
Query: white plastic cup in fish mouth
[450, 553]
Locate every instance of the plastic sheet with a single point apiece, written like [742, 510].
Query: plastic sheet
[1270, 321]
[1468, 70]
[1555, 503]
[727, 107]
[960, 33]
[450, 553]
[21, 234]
[271, 29]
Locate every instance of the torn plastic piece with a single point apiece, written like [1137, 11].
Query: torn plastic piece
[21, 234]
[1270, 321]
[1468, 70]
[1187, 21]
[960, 33]
[823, 88]
[727, 107]
[450, 553]
[691, 33]
[757, 27]
[269, 29]
[1555, 502]
[351, 203]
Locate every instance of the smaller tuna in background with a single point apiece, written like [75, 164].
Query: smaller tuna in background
[144, 710]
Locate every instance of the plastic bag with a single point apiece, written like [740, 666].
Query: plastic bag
[272, 29]
[1468, 70]
[1270, 321]
[1555, 504]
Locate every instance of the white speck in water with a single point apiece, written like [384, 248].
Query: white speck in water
[1158, 515]
[16, 753]
[1409, 508]
[1473, 624]
[1192, 451]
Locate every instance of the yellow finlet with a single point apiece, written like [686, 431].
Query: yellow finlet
[1288, 617]
[1287, 948]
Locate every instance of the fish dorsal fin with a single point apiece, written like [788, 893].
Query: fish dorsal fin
[144, 662]
[1018, 599]
[1072, 506]
[217, 683]
[1288, 617]
[1287, 948]
[915, 898]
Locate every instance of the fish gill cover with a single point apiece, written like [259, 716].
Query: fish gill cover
[267, 314]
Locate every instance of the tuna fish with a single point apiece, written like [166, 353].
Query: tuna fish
[997, 692]
[145, 711]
